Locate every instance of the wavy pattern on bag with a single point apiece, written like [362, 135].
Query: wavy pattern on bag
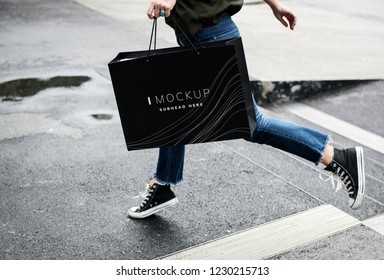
[211, 130]
[165, 135]
[226, 91]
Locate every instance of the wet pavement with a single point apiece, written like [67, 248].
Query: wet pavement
[15, 90]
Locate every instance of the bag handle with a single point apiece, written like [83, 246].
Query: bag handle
[153, 32]
[154, 36]
[178, 24]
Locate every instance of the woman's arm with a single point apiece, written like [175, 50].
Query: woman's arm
[282, 13]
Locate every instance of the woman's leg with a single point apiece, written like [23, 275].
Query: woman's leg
[290, 137]
[347, 165]
[170, 165]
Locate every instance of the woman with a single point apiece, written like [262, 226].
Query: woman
[210, 20]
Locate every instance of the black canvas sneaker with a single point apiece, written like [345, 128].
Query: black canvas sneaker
[348, 166]
[156, 197]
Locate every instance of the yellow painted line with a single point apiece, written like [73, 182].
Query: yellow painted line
[272, 238]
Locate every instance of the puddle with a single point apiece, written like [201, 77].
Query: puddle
[16, 90]
[102, 117]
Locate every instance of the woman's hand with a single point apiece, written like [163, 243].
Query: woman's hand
[286, 16]
[158, 5]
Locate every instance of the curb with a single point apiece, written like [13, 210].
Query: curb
[281, 91]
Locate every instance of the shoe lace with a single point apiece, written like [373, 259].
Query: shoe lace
[148, 190]
[147, 193]
[341, 180]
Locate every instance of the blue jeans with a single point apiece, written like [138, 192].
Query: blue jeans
[287, 136]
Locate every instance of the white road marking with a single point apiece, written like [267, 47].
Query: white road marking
[341, 127]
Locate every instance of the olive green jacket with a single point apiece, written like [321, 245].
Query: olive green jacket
[193, 15]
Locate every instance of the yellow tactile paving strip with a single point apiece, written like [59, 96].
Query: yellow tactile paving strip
[376, 223]
[274, 237]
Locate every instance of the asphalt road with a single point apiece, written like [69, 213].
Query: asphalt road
[67, 181]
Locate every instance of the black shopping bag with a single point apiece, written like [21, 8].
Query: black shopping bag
[183, 95]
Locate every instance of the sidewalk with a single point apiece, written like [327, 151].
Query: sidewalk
[326, 45]
[327, 50]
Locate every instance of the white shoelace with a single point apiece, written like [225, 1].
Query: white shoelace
[147, 191]
[340, 182]
[146, 194]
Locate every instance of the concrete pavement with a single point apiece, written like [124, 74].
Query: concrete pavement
[331, 47]
[326, 44]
